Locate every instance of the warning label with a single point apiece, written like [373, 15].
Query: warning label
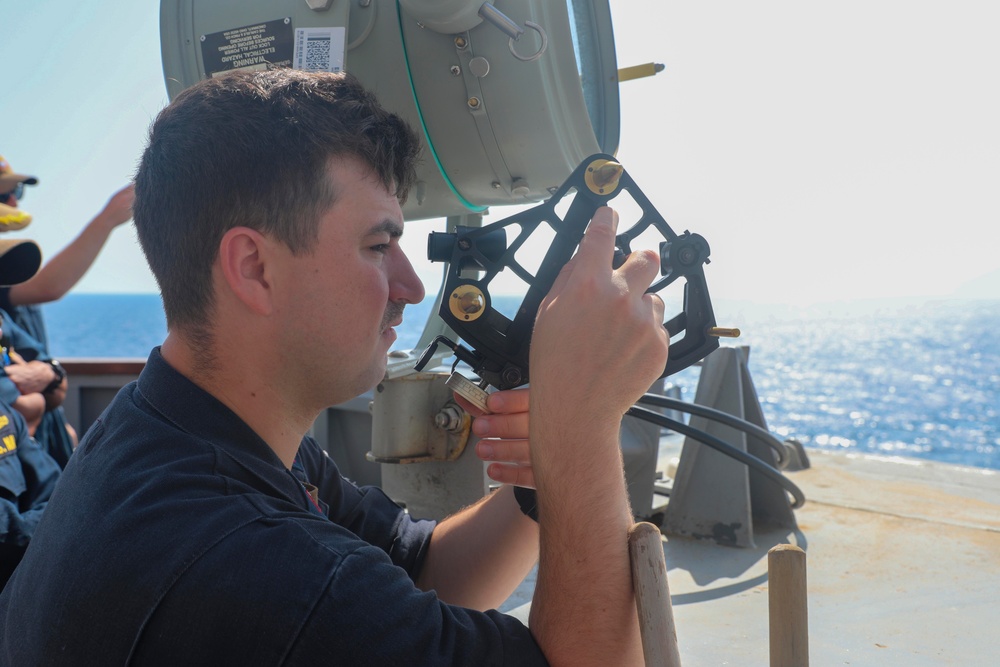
[250, 47]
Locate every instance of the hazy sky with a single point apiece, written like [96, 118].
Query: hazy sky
[828, 151]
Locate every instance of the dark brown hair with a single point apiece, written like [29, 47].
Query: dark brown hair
[253, 149]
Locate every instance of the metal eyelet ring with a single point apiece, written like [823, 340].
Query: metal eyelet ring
[545, 43]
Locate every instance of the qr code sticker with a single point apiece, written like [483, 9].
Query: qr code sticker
[319, 49]
[317, 54]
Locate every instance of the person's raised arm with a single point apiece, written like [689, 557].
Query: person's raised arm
[598, 344]
[65, 269]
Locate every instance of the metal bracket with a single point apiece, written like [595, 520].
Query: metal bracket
[476, 102]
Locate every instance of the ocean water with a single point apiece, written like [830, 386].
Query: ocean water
[919, 379]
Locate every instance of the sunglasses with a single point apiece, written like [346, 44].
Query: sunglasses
[17, 193]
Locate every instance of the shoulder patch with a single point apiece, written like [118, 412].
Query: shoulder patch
[8, 444]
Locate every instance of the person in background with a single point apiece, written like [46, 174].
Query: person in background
[65, 269]
[197, 523]
[23, 301]
[11, 191]
[30, 380]
[28, 474]
[32, 405]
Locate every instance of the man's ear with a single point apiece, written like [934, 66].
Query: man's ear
[243, 256]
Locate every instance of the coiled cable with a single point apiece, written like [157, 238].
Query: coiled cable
[715, 443]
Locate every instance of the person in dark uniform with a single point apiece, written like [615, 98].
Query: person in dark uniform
[197, 523]
[59, 274]
[65, 269]
[28, 474]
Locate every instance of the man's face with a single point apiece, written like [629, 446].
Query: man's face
[342, 301]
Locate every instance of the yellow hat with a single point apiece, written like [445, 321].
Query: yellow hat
[19, 260]
[13, 219]
[9, 178]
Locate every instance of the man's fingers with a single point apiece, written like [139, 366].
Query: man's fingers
[506, 451]
[596, 251]
[640, 269]
[657, 305]
[501, 425]
[509, 401]
[511, 474]
[597, 248]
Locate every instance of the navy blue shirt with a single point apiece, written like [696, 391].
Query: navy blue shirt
[51, 433]
[14, 336]
[29, 317]
[27, 478]
[176, 536]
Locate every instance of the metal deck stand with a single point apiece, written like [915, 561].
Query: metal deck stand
[715, 497]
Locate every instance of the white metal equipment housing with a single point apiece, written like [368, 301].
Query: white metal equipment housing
[504, 120]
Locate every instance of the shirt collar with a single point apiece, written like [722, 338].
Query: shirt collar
[193, 410]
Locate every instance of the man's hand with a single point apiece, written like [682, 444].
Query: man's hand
[599, 339]
[598, 344]
[32, 407]
[118, 210]
[30, 377]
[479, 555]
[504, 436]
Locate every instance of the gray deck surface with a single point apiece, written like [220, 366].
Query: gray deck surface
[903, 561]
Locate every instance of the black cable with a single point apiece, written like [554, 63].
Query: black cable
[723, 417]
[727, 449]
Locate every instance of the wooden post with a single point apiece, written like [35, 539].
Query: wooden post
[652, 596]
[787, 607]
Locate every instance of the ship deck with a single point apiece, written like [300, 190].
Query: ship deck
[903, 568]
